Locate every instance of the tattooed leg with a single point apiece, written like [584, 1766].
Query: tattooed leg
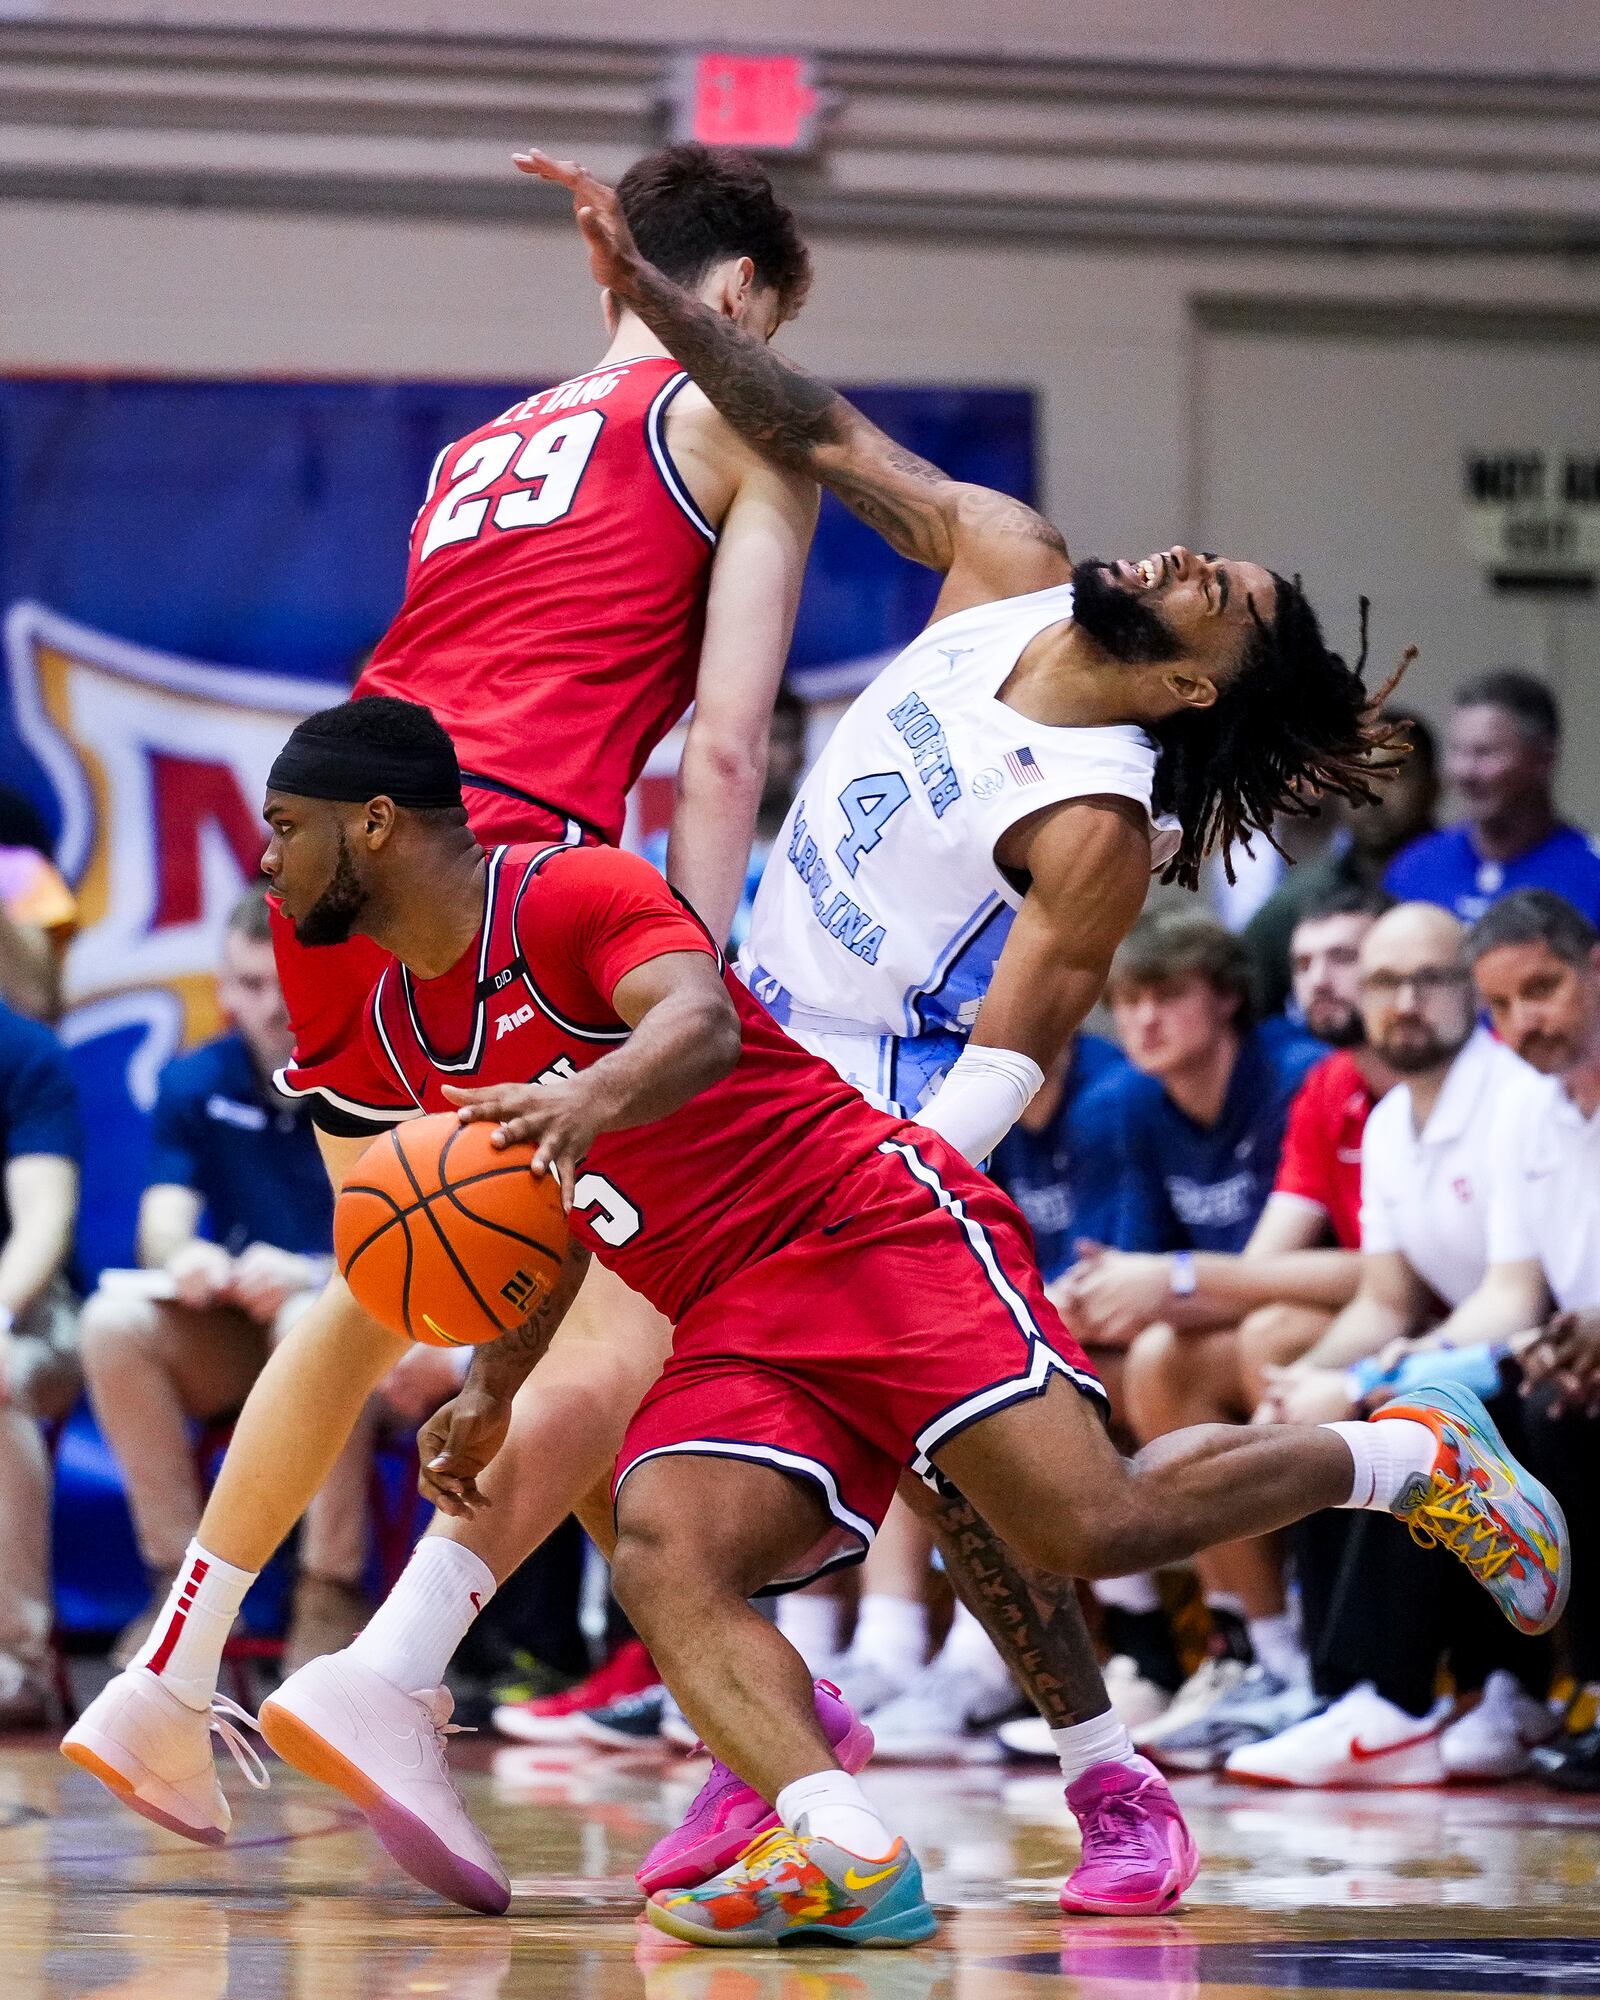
[1034, 1619]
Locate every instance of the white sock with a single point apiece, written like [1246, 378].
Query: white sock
[412, 1636]
[184, 1649]
[969, 1648]
[1276, 1644]
[1387, 1453]
[810, 1623]
[1102, 1740]
[830, 1805]
[1129, 1593]
[891, 1632]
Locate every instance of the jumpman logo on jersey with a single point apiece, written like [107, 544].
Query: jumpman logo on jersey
[950, 654]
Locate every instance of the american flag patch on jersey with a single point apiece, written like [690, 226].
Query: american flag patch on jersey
[1024, 766]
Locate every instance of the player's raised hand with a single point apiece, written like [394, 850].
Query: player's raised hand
[613, 254]
[558, 1120]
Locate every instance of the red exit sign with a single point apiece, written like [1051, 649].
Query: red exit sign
[764, 103]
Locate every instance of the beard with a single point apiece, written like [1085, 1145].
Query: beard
[1117, 619]
[1339, 1027]
[332, 917]
[1411, 1055]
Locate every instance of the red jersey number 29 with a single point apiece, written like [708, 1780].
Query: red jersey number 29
[549, 466]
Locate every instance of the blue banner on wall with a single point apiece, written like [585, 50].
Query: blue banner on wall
[187, 567]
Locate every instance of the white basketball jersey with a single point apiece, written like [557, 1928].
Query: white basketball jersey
[881, 904]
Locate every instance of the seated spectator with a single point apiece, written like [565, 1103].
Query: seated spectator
[1198, 1121]
[1198, 1116]
[1199, 1354]
[1366, 839]
[1501, 752]
[232, 1157]
[40, 1146]
[38, 913]
[1378, 1618]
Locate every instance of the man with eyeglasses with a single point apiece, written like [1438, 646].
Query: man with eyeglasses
[1375, 1625]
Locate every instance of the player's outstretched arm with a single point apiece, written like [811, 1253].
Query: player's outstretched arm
[806, 425]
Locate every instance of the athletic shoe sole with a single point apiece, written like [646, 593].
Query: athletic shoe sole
[94, 1753]
[409, 1840]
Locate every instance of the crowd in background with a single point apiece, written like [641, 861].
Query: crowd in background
[1338, 1135]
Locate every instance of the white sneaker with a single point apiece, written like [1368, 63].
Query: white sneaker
[1258, 1706]
[1497, 1739]
[1026, 1736]
[867, 1684]
[1362, 1741]
[1206, 1686]
[154, 1752]
[1138, 1701]
[941, 1716]
[341, 1723]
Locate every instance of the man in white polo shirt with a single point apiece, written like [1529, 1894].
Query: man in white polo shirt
[1375, 1627]
[1536, 961]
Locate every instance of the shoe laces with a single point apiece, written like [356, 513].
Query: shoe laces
[1452, 1515]
[1117, 1825]
[439, 1705]
[776, 1844]
[225, 1717]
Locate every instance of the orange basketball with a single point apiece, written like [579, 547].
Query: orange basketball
[446, 1238]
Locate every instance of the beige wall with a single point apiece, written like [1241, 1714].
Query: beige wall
[1172, 405]
[1530, 37]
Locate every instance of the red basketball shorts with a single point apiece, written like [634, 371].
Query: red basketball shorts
[909, 1308]
[326, 987]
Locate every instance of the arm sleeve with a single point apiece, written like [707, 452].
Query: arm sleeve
[601, 915]
[38, 1101]
[1305, 1166]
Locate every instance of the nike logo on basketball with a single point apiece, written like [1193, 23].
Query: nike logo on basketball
[505, 1023]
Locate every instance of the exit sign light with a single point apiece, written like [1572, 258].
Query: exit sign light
[764, 103]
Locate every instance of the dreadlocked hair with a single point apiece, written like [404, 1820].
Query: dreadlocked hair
[1293, 726]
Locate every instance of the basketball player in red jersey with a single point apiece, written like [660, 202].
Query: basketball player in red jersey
[582, 567]
[850, 1298]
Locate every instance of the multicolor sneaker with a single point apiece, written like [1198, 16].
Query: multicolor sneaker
[1504, 1525]
[786, 1886]
[726, 1815]
[1137, 1852]
[552, 1718]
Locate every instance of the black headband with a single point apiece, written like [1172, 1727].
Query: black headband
[322, 767]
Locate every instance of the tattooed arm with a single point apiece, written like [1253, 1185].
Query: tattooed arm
[458, 1441]
[987, 544]
[1033, 1618]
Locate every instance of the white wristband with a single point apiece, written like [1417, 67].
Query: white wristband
[984, 1095]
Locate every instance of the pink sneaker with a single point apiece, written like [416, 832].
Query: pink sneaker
[726, 1815]
[1137, 1853]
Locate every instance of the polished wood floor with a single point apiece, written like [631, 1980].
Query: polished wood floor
[1461, 1892]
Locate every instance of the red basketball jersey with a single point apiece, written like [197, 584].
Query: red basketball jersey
[674, 1207]
[555, 595]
